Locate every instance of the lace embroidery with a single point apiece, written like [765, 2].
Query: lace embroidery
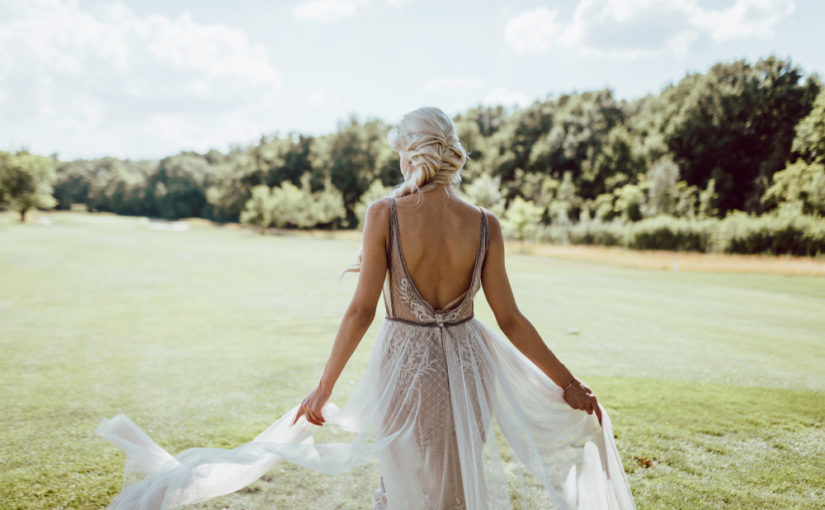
[408, 297]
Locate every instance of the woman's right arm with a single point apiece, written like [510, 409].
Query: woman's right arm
[521, 332]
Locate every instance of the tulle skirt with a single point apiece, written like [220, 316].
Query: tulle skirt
[433, 405]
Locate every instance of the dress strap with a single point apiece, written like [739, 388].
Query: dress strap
[393, 224]
[481, 250]
[484, 232]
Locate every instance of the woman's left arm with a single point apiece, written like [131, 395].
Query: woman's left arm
[360, 312]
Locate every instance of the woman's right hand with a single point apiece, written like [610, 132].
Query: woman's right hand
[312, 405]
[579, 396]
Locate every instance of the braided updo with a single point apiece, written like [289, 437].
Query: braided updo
[428, 137]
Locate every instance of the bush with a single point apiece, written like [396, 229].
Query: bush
[376, 191]
[290, 206]
[669, 233]
[522, 218]
[599, 233]
[782, 233]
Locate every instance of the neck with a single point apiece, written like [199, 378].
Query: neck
[438, 189]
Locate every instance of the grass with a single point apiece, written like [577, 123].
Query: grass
[687, 261]
[713, 379]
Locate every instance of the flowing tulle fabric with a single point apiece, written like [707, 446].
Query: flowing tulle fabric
[439, 391]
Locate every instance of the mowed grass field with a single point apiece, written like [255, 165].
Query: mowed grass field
[714, 381]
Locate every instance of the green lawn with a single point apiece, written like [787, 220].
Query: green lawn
[204, 337]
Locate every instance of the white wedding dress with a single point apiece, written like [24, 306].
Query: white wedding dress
[436, 384]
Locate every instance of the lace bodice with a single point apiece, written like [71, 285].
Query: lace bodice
[403, 301]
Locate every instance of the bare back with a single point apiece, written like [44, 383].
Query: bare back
[439, 236]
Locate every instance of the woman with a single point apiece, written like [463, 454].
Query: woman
[438, 378]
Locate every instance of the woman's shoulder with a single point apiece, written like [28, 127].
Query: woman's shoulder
[382, 204]
[493, 224]
[491, 217]
[378, 210]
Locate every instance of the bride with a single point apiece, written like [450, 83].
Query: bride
[441, 390]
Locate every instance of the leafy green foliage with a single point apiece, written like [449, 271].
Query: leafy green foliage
[735, 124]
[800, 187]
[26, 182]
[485, 191]
[784, 233]
[630, 202]
[522, 218]
[376, 191]
[290, 206]
[810, 132]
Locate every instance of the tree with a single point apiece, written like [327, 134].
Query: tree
[800, 186]
[708, 198]
[231, 187]
[522, 218]
[119, 186]
[566, 201]
[662, 194]
[288, 205]
[735, 124]
[73, 182]
[354, 157]
[26, 182]
[376, 191]
[630, 201]
[485, 191]
[615, 160]
[257, 210]
[809, 142]
[178, 186]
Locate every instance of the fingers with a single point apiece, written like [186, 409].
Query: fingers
[598, 410]
[315, 417]
[298, 414]
[312, 416]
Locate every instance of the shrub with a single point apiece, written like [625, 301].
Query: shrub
[522, 218]
[785, 232]
[290, 206]
[669, 233]
[599, 233]
[782, 233]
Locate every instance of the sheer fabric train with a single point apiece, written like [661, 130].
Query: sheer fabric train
[436, 383]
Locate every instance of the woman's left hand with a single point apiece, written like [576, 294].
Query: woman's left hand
[578, 395]
[312, 405]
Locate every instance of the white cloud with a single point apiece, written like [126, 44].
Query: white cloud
[328, 11]
[321, 99]
[502, 96]
[635, 29]
[108, 81]
[744, 19]
[456, 83]
[532, 31]
[325, 11]
[317, 97]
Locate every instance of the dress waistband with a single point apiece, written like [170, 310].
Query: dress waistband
[432, 324]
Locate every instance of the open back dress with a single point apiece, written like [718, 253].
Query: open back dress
[458, 418]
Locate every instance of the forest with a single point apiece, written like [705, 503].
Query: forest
[731, 160]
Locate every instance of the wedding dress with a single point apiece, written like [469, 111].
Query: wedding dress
[439, 392]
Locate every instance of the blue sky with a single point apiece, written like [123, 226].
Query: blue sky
[147, 79]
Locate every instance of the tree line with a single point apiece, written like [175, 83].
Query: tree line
[727, 151]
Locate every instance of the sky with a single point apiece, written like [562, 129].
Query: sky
[151, 78]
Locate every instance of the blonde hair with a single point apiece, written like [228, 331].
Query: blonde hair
[427, 136]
